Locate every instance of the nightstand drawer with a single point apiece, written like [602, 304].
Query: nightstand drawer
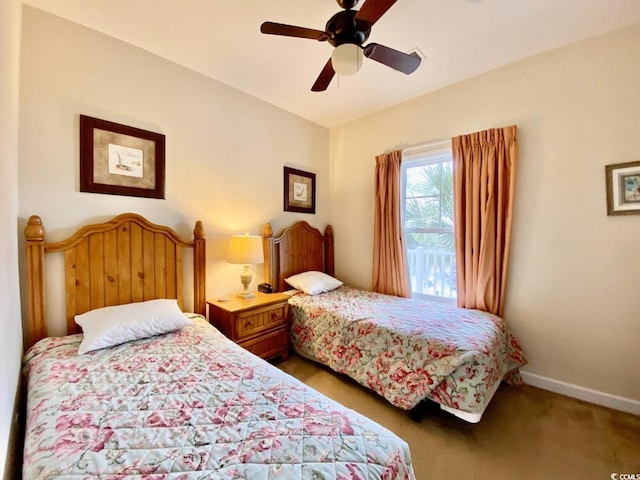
[254, 321]
[269, 345]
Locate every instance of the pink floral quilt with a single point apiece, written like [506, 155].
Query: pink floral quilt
[190, 405]
[407, 350]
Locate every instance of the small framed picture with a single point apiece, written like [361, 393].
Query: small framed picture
[120, 160]
[299, 191]
[623, 188]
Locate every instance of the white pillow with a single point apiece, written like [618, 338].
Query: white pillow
[109, 326]
[313, 282]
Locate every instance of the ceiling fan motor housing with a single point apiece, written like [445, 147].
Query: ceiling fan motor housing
[344, 28]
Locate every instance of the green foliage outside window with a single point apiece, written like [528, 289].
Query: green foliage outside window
[429, 206]
[428, 226]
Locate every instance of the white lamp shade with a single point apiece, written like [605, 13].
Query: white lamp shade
[245, 249]
[346, 59]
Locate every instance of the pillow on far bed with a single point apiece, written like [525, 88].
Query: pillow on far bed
[313, 282]
[109, 326]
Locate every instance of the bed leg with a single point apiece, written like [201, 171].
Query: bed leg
[415, 413]
[425, 407]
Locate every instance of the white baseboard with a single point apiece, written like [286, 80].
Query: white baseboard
[581, 393]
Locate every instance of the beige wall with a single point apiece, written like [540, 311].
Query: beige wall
[225, 150]
[10, 326]
[574, 292]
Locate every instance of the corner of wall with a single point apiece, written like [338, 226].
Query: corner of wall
[13, 462]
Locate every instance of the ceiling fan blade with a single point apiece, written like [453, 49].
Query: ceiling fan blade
[271, 28]
[324, 79]
[403, 62]
[372, 10]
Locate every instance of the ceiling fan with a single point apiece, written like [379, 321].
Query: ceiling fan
[347, 31]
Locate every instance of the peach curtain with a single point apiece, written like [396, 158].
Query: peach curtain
[390, 272]
[483, 187]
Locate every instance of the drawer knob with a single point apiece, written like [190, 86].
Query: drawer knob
[249, 323]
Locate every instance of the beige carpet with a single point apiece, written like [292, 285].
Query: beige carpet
[525, 433]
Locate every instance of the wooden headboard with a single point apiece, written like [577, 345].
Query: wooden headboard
[127, 259]
[297, 249]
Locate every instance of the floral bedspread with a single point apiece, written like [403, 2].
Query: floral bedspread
[190, 405]
[407, 350]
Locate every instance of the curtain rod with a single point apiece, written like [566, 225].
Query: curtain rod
[422, 146]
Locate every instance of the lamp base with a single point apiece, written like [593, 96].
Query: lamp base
[245, 279]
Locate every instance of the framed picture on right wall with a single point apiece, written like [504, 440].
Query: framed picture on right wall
[623, 188]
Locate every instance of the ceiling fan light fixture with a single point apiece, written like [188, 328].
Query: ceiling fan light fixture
[347, 59]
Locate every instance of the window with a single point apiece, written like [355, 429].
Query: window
[427, 204]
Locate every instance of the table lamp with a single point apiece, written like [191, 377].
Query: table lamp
[245, 250]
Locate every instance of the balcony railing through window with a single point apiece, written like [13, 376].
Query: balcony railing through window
[432, 272]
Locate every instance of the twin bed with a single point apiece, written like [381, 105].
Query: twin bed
[186, 404]
[407, 351]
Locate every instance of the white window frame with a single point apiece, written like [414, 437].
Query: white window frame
[426, 154]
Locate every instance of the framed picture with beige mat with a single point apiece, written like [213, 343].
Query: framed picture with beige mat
[623, 188]
[120, 160]
[299, 191]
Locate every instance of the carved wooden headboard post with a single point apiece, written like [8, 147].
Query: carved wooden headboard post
[329, 262]
[267, 245]
[199, 270]
[37, 323]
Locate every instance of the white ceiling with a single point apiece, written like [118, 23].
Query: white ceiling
[460, 39]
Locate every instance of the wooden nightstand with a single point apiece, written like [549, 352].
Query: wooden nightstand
[258, 324]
